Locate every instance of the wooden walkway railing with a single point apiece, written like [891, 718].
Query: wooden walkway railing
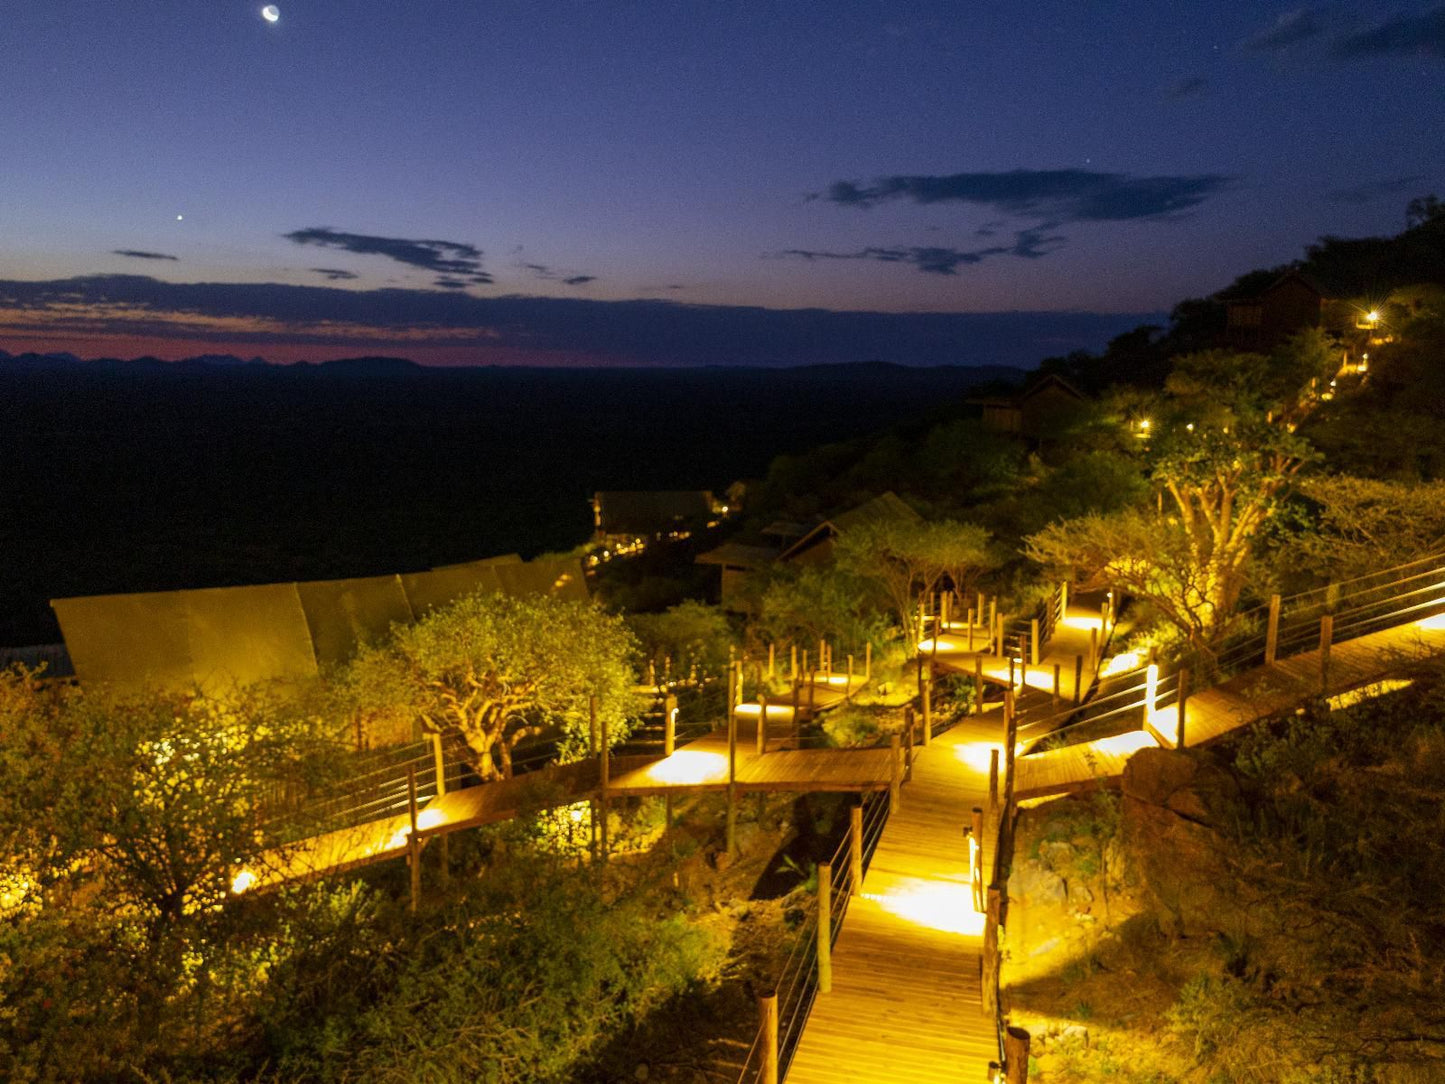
[1314, 643]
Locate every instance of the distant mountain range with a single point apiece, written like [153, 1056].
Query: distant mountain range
[352, 366]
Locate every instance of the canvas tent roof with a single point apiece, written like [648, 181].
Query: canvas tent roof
[284, 631]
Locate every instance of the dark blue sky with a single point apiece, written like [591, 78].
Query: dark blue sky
[433, 156]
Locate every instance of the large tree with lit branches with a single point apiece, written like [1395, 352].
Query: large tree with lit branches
[1221, 448]
[495, 671]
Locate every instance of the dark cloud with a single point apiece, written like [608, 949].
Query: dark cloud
[650, 332]
[447, 283]
[335, 274]
[1029, 244]
[137, 254]
[1191, 86]
[1373, 190]
[1064, 195]
[1405, 35]
[941, 260]
[1291, 28]
[550, 274]
[453, 261]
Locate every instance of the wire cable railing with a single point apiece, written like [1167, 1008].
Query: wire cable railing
[796, 985]
[1286, 626]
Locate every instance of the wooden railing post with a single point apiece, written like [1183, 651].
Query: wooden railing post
[1063, 599]
[1078, 680]
[1271, 634]
[669, 726]
[1010, 740]
[1094, 649]
[978, 684]
[992, 788]
[868, 661]
[1181, 703]
[1327, 638]
[850, 677]
[768, 1025]
[825, 928]
[732, 811]
[975, 858]
[793, 670]
[855, 850]
[1058, 684]
[908, 752]
[927, 704]
[970, 630]
[989, 974]
[895, 781]
[762, 723]
[413, 841]
[1033, 641]
[772, 660]
[1016, 1055]
[606, 775]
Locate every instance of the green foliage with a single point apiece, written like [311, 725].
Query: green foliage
[821, 603]
[905, 558]
[690, 633]
[1222, 447]
[123, 820]
[496, 670]
[516, 978]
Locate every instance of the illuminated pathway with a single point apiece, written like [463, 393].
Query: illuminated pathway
[1244, 699]
[905, 1000]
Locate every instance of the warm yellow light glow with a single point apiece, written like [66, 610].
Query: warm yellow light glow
[429, 818]
[939, 905]
[1144, 424]
[1373, 316]
[1126, 744]
[1433, 624]
[1368, 692]
[1083, 624]
[1121, 663]
[242, 881]
[577, 812]
[976, 753]
[689, 766]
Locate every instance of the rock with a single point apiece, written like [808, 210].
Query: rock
[1075, 1033]
[1171, 805]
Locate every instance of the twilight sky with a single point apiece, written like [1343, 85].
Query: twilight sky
[670, 183]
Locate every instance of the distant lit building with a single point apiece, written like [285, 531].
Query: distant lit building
[629, 514]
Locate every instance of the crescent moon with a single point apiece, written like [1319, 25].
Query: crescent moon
[271, 13]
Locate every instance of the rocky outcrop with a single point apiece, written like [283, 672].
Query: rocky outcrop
[1173, 805]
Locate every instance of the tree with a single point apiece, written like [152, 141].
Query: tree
[690, 634]
[905, 559]
[495, 670]
[123, 820]
[820, 603]
[1221, 448]
[159, 798]
[1364, 525]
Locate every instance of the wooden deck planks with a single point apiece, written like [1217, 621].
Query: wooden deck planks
[1257, 694]
[905, 1000]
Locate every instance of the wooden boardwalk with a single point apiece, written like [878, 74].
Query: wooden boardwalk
[698, 766]
[1213, 713]
[905, 1003]
[1072, 639]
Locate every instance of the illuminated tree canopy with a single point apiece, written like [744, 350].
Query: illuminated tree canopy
[1221, 448]
[496, 670]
